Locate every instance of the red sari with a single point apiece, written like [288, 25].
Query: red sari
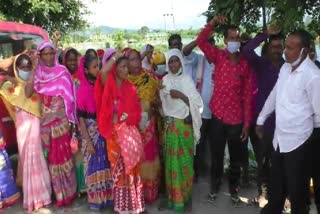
[127, 187]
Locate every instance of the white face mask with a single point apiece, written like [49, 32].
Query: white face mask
[233, 47]
[295, 63]
[23, 74]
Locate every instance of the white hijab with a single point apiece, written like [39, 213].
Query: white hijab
[176, 108]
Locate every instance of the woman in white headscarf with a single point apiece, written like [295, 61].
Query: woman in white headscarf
[146, 56]
[182, 106]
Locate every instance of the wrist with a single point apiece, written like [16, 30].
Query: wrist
[30, 79]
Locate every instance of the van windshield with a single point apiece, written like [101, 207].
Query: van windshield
[13, 43]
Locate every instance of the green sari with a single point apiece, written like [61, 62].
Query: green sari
[178, 163]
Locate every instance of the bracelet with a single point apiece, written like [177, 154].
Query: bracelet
[114, 58]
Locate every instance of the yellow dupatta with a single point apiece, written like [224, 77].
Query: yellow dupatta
[14, 96]
[147, 88]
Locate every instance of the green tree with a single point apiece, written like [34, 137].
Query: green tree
[118, 39]
[65, 15]
[144, 31]
[249, 13]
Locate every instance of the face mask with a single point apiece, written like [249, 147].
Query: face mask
[23, 74]
[233, 47]
[295, 63]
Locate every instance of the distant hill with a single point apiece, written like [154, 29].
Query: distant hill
[102, 29]
[105, 29]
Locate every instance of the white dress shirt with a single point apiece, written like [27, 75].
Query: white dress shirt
[296, 102]
[207, 88]
[190, 64]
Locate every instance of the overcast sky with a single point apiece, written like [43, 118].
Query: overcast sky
[133, 14]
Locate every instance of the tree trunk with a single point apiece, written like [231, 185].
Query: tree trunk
[264, 16]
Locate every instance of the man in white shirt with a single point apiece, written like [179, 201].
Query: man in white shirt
[296, 101]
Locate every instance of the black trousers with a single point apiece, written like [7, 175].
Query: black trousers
[289, 176]
[220, 134]
[315, 166]
[201, 156]
[262, 150]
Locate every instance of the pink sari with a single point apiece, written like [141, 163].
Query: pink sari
[36, 178]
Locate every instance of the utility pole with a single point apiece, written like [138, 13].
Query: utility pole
[165, 24]
[172, 14]
[173, 21]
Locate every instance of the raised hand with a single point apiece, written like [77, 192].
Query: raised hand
[118, 55]
[273, 29]
[218, 20]
[175, 94]
[57, 35]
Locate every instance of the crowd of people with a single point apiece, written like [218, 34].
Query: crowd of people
[109, 125]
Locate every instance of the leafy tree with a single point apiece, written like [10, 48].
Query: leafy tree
[65, 15]
[127, 35]
[249, 13]
[144, 30]
[118, 39]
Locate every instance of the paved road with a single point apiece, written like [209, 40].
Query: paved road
[200, 205]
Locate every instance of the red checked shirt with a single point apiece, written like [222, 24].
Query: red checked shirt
[231, 101]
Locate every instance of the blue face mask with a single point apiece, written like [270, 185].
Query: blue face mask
[23, 74]
[233, 47]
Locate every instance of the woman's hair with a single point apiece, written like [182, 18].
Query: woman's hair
[72, 51]
[120, 59]
[136, 51]
[91, 50]
[21, 58]
[88, 60]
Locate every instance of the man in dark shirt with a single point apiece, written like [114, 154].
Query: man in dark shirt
[266, 67]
